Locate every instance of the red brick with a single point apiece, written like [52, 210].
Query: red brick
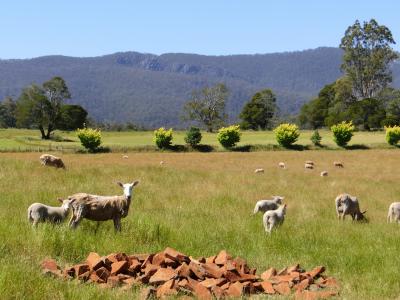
[85, 276]
[229, 266]
[148, 260]
[50, 264]
[248, 277]
[210, 259]
[232, 276]
[284, 278]
[198, 270]
[303, 284]
[222, 258]
[140, 257]
[201, 292]
[213, 270]
[241, 265]
[268, 274]
[282, 272]
[166, 289]
[162, 275]
[282, 288]
[147, 293]
[80, 269]
[294, 268]
[235, 290]
[119, 267]
[183, 270]
[175, 255]
[316, 271]
[113, 281]
[218, 292]
[330, 282]
[102, 273]
[134, 266]
[210, 282]
[95, 278]
[94, 261]
[267, 287]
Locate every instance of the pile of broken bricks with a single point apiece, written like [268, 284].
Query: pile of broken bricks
[170, 272]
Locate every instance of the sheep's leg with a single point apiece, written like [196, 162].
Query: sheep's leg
[117, 224]
[97, 227]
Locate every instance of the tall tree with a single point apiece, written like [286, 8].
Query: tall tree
[72, 117]
[207, 106]
[367, 55]
[259, 111]
[7, 113]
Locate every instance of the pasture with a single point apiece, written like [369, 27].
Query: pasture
[199, 204]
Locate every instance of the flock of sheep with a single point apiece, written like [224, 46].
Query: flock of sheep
[103, 208]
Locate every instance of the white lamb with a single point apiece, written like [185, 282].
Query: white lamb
[39, 212]
[282, 165]
[265, 205]
[274, 218]
[259, 171]
[394, 212]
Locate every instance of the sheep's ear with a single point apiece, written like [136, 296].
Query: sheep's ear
[135, 183]
[60, 200]
[120, 184]
[72, 201]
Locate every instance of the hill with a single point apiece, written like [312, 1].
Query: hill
[150, 89]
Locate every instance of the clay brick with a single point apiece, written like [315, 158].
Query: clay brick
[159, 259]
[50, 264]
[85, 276]
[140, 257]
[183, 270]
[95, 278]
[241, 265]
[210, 259]
[210, 282]
[119, 267]
[248, 287]
[94, 261]
[284, 278]
[267, 287]
[166, 289]
[218, 292]
[162, 275]
[248, 277]
[102, 273]
[80, 269]
[147, 293]
[225, 286]
[113, 281]
[282, 272]
[222, 258]
[201, 292]
[316, 271]
[148, 260]
[229, 266]
[235, 290]
[232, 276]
[134, 266]
[294, 268]
[175, 255]
[268, 274]
[303, 284]
[213, 270]
[282, 288]
[330, 282]
[197, 270]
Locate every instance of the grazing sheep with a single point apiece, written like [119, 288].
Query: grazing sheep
[348, 205]
[265, 205]
[125, 156]
[102, 208]
[259, 171]
[39, 212]
[309, 162]
[273, 218]
[52, 161]
[338, 164]
[162, 163]
[394, 212]
[309, 166]
[282, 165]
[324, 173]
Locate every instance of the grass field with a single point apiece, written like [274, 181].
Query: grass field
[200, 203]
[17, 140]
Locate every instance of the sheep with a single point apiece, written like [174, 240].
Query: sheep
[40, 212]
[309, 166]
[282, 165]
[324, 173]
[348, 205]
[102, 208]
[338, 164]
[259, 171]
[51, 160]
[273, 218]
[309, 162]
[394, 212]
[125, 156]
[265, 205]
[162, 163]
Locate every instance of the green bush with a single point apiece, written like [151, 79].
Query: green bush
[163, 137]
[316, 138]
[90, 138]
[229, 136]
[342, 133]
[392, 135]
[193, 136]
[286, 134]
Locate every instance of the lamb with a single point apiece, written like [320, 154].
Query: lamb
[259, 171]
[265, 205]
[348, 205]
[282, 165]
[309, 162]
[102, 208]
[273, 218]
[125, 156]
[338, 164]
[39, 212]
[394, 212]
[324, 173]
[52, 161]
[308, 166]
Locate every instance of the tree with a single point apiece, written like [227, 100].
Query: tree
[366, 59]
[259, 111]
[72, 117]
[207, 106]
[41, 106]
[7, 113]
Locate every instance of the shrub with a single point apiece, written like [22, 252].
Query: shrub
[392, 135]
[286, 134]
[193, 136]
[316, 138]
[163, 137]
[229, 136]
[342, 133]
[90, 138]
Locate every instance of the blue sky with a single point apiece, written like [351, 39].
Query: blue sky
[214, 27]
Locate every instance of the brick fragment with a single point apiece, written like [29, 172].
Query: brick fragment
[201, 292]
[119, 267]
[198, 270]
[268, 274]
[267, 287]
[235, 289]
[102, 273]
[113, 281]
[175, 255]
[212, 270]
[222, 258]
[316, 271]
[183, 270]
[162, 275]
[94, 261]
[84, 276]
[210, 282]
[303, 284]
[166, 289]
[282, 288]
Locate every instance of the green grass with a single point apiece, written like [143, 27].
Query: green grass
[199, 204]
[20, 140]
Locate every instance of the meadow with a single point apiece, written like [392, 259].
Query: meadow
[200, 203]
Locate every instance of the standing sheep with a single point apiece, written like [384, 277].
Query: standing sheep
[273, 218]
[102, 208]
[282, 165]
[394, 212]
[338, 164]
[257, 171]
[39, 212]
[324, 173]
[308, 166]
[265, 205]
[52, 161]
[309, 162]
[348, 205]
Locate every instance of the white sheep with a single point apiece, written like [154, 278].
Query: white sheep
[39, 212]
[308, 166]
[338, 164]
[265, 205]
[162, 163]
[125, 156]
[259, 171]
[348, 205]
[394, 212]
[309, 162]
[274, 218]
[282, 165]
[324, 173]
[52, 161]
[102, 208]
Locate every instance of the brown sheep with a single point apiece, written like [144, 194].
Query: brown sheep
[52, 161]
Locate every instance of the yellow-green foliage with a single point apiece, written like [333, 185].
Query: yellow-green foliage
[163, 137]
[342, 133]
[90, 138]
[229, 136]
[392, 135]
[286, 134]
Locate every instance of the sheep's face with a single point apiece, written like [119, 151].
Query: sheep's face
[278, 199]
[128, 188]
[66, 203]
